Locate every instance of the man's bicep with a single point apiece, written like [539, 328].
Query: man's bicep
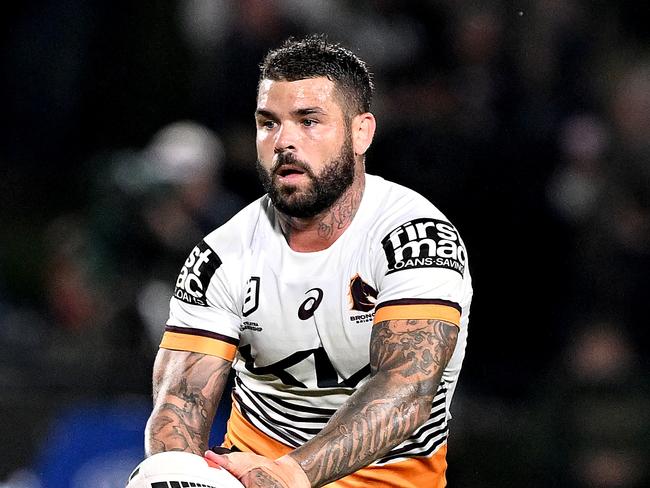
[417, 350]
[187, 387]
[174, 370]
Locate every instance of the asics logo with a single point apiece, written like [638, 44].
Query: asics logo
[309, 306]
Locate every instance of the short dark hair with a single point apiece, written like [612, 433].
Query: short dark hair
[315, 56]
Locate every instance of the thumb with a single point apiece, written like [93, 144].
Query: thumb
[237, 463]
[213, 459]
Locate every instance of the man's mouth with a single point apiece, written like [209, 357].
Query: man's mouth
[289, 171]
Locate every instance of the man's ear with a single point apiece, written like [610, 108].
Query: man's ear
[363, 131]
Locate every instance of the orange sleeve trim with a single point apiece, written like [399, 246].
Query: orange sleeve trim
[418, 312]
[196, 343]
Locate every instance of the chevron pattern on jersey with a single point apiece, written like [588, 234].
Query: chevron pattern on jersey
[294, 425]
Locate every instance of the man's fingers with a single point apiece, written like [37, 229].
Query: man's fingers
[237, 463]
[216, 460]
[284, 471]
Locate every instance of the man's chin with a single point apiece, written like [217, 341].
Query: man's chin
[292, 189]
[297, 204]
[291, 203]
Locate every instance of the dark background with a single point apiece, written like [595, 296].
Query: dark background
[127, 134]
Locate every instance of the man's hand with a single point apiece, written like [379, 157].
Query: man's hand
[255, 471]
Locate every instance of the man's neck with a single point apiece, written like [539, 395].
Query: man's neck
[321, 231]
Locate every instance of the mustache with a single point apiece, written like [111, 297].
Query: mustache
[289, 158]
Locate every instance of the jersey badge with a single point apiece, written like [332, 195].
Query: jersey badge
[252, 296]
[362, 295]
[362, 299]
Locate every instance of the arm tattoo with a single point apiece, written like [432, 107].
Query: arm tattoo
[407, 359]
[414, 350]
[186, 395]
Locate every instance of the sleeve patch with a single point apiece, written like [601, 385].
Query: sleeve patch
[196, 273]
[424, 243]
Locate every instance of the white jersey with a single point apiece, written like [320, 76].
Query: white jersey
[297, 324]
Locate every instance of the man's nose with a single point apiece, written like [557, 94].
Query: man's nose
[285, 139]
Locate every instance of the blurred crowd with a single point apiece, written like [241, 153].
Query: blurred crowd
[129, 134]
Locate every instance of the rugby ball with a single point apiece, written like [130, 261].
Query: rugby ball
[176, 469]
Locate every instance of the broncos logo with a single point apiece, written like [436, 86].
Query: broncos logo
[362, 295]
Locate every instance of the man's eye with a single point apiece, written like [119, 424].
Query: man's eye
[268, 124]
[309, 122]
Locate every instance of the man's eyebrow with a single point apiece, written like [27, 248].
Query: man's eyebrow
[260, 112]
[308, 111]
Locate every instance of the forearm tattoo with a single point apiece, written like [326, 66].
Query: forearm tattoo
[407, 358]
[185, 405]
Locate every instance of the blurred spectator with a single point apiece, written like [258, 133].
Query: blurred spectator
[153, 206]
[592, 425]
[602, 192]
[186, 158]
[577, 187]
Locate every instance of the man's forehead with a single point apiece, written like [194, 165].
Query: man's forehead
[312, 91]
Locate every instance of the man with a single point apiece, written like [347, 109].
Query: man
[341, 301]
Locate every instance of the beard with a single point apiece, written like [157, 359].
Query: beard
[325, 189]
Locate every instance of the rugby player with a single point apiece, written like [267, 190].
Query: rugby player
[341, 300]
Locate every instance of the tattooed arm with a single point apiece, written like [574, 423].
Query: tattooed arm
[407, 358]
[187, 388]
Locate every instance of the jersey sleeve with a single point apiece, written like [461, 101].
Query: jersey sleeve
[203, 314]
[421, 268]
